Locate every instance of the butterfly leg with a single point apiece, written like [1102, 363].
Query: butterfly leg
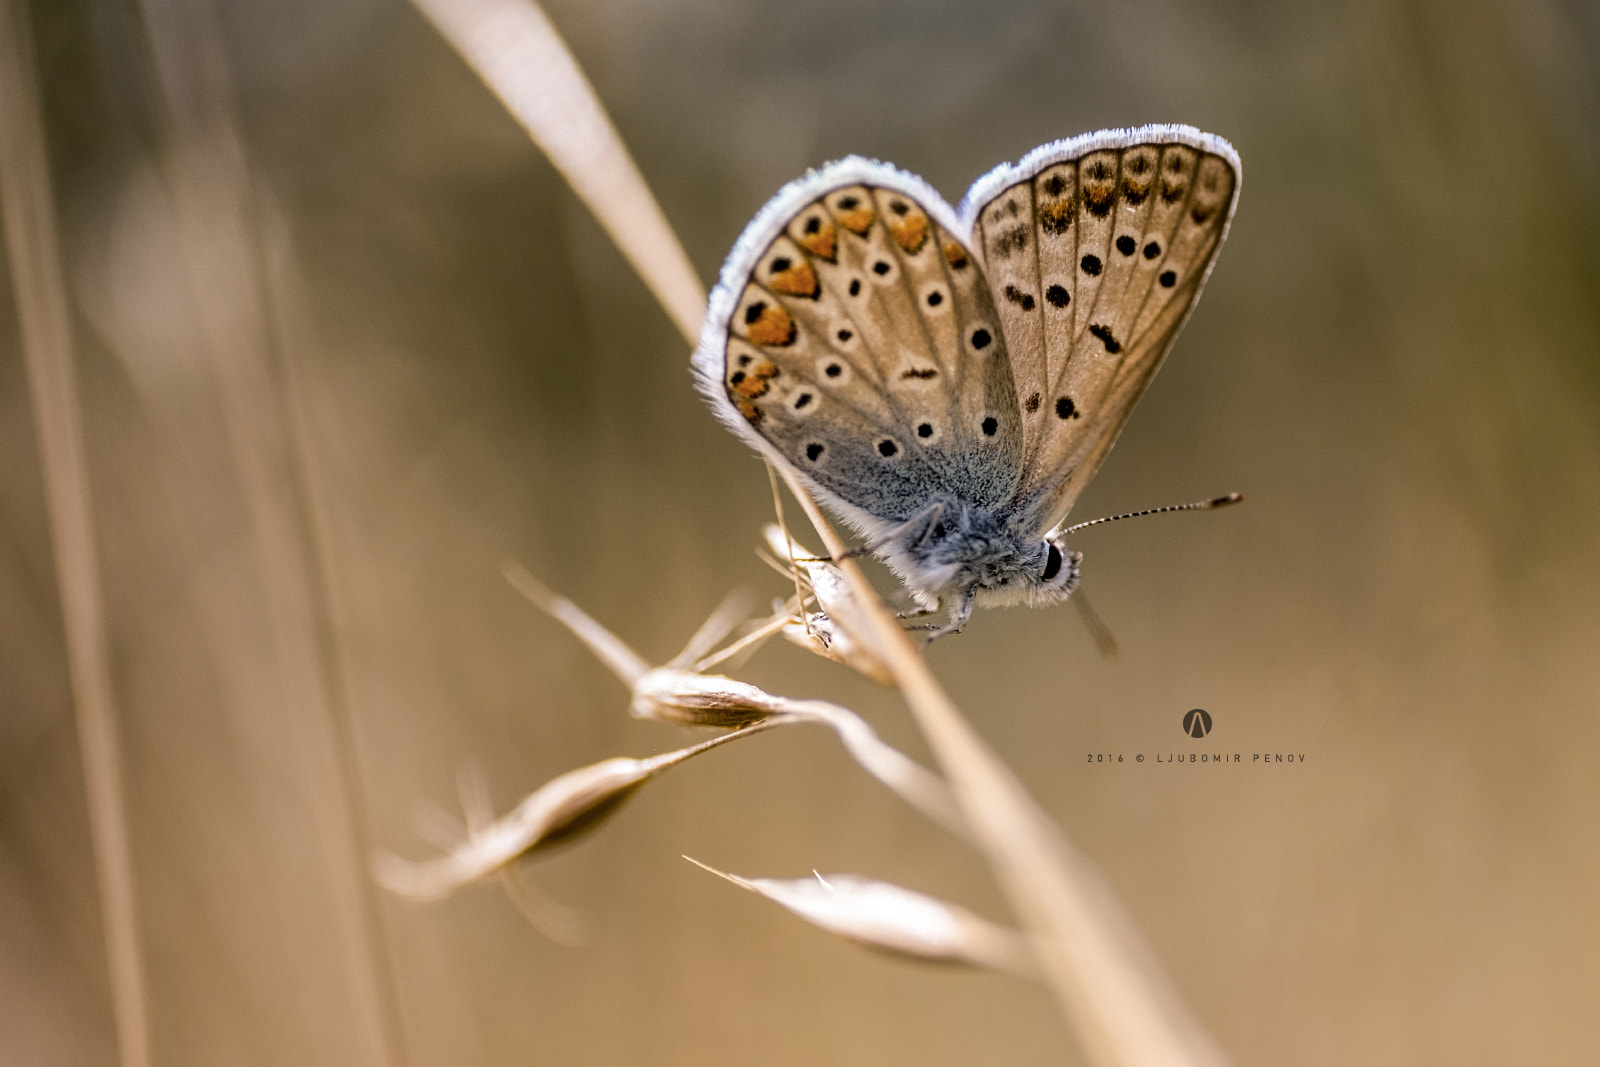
[958, 616]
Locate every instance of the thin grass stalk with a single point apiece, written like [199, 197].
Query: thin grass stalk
[566, 806]
[1125, 1012]
[523, 60]
[219, 233]
[33, 248]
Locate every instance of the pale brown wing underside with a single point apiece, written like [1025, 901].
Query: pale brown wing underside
[865, 348]
[1095, 259]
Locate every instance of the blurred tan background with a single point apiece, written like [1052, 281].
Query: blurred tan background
[1397, 360]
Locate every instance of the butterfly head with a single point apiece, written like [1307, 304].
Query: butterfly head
[950, 550]
[1048, 574]
[1059, 579]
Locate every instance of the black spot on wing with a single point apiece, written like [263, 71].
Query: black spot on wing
[1011, 241]
[1104, 334]
[1019, 298]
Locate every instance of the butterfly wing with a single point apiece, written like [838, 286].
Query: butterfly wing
[1096, 250]
[853, 338]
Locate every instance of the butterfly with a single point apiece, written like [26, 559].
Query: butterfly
[947, 381]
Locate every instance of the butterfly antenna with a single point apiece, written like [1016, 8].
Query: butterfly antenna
[1199, 505]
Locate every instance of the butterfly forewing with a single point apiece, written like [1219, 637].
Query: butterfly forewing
[865, 349]
[970, 369]
[1093, 282]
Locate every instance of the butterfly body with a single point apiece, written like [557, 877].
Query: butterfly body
[948, 380]
[970, 555]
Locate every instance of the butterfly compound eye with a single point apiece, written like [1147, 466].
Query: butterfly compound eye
[1052, 563]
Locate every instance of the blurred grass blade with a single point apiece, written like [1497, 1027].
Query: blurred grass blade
[893, 919]
[911, 781]
[520, 56]
[565, 807]
[34, 253]
[608, 648]
[733, 610]
[222, 253]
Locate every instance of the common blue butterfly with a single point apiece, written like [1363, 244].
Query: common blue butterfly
[948, 380]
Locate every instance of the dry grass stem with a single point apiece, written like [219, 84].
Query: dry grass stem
[523, 60]
[688, 698]
[733, 610]
[889, 918]
[1110, 987]
[624, 662]
[32, 246]
[831, 632]
[562, 809]
[1120, 1003]
[737, 651]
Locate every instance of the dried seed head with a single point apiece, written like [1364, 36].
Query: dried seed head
[842, 632]
[820, 634]
[560, 810]
[892, 919]
[689, 699]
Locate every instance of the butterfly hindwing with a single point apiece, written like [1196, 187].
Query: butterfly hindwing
[1096, 250]
[854, 337]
